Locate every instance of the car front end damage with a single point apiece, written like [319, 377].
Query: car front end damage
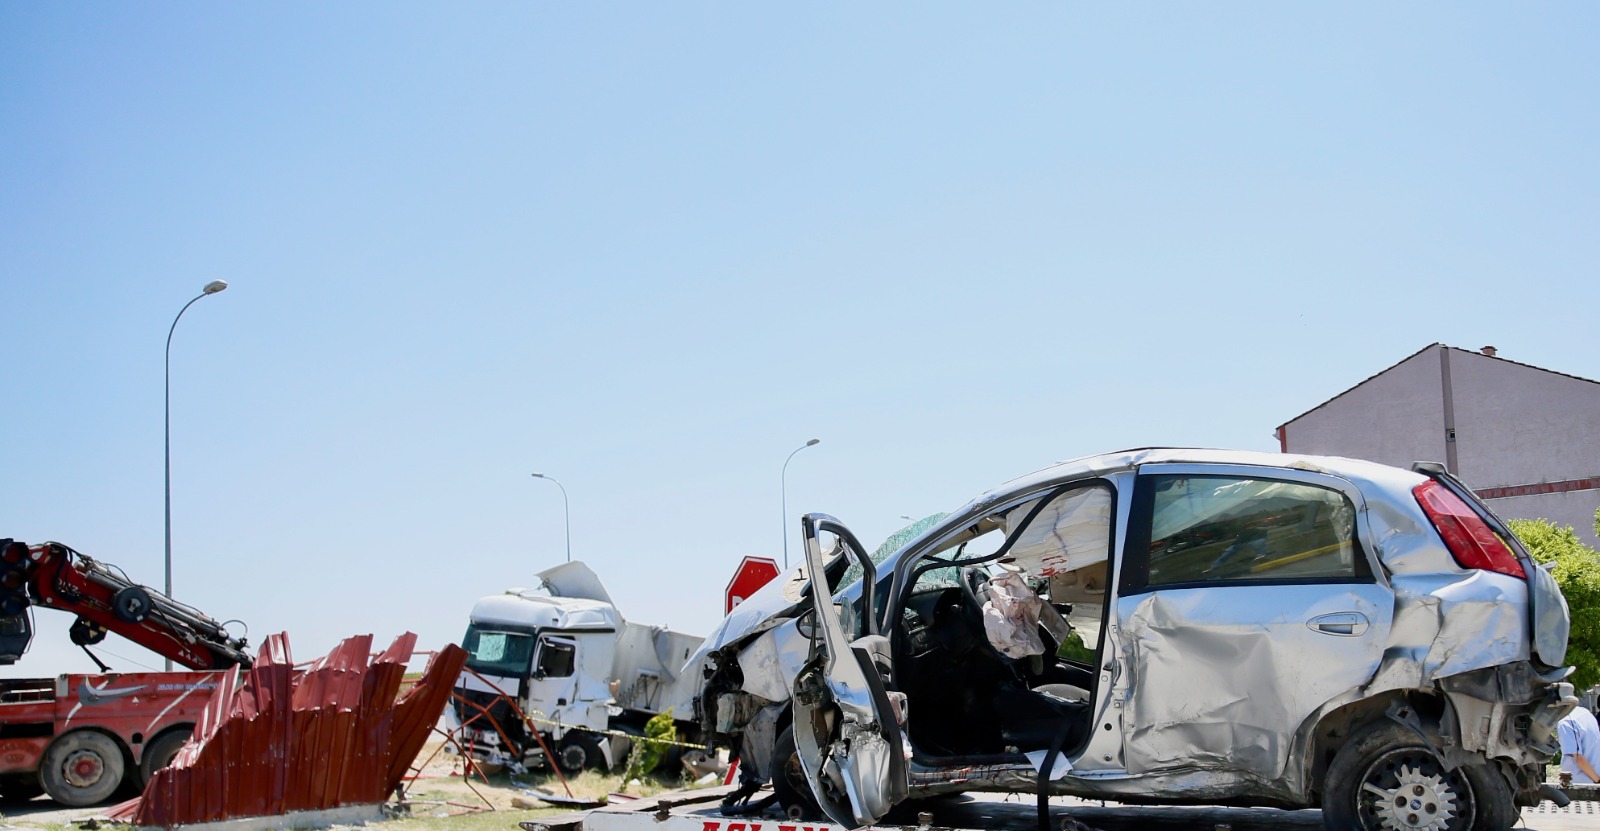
[745, 701]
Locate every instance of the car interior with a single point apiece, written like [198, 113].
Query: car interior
[976, 693]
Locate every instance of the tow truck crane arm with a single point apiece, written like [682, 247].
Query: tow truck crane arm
[54, 576]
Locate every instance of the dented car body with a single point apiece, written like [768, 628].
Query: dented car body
[1178, 626]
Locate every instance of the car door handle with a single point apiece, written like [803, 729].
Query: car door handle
[1348, 624]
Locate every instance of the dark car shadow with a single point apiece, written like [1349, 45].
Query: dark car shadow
[1021, 814]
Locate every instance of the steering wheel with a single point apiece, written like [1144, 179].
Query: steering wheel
[972, 581]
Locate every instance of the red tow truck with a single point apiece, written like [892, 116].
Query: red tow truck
[80, 738]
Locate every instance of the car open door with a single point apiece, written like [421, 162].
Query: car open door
[847, 727]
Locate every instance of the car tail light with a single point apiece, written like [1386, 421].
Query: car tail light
[1470, 540]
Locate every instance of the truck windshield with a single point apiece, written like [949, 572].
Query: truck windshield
[494, 652]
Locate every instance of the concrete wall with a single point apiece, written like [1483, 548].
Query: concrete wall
[1514, 424]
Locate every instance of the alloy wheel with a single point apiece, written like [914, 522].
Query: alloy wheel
[1407, 789]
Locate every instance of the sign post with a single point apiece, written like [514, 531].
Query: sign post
[752, 574]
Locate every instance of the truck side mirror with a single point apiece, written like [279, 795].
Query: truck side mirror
[806, 624]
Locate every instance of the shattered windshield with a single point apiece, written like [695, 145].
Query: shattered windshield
[498, 653]
[888, 547]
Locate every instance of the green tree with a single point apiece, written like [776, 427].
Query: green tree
[1073, 649]
[1576, 568]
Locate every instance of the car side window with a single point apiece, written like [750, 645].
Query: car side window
[1220, 529]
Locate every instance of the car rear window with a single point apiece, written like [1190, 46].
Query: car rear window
[1207, 529]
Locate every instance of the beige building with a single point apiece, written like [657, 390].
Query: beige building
[1526, 439]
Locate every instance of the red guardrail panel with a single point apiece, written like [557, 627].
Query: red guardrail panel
[273, 740]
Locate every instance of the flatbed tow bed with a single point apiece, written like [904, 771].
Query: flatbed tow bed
[700, 810]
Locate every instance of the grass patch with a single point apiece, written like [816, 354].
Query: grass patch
[430, 810]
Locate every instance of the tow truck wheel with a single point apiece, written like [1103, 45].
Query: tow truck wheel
[82, 768]
[577, 752]
[158, 754]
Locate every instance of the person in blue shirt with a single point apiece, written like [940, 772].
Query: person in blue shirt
[1580, 746]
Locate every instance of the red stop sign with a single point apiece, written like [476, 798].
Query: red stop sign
[752, 574]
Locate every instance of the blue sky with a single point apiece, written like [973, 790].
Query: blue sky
[650, 249]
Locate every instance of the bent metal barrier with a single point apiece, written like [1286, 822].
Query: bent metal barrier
[274, 740]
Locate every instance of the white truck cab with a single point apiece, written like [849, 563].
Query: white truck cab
[583, 676]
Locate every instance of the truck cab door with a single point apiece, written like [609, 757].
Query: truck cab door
[551, 682]
[847, 727]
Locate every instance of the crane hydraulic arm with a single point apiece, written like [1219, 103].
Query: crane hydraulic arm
[54, 576]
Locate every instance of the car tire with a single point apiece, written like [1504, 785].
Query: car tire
[1497, 806]
[1386, 757]
[82, 768]
[789, 780]
[158, 754]
[578, 751]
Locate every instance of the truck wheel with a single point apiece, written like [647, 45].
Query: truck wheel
[578, 751]
[158, 754]
[789, 780]
[1385, 778]
[82, 768]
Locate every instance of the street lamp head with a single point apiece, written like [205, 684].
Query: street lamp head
[813, 441]
[215, 286]
[566, 514]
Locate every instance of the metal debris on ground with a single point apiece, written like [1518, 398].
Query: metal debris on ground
[568, 801]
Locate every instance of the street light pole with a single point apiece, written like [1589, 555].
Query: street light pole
[784, 484]
[566, 513]
[210, 288]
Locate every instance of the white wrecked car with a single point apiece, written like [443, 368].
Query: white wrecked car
[1179, 626]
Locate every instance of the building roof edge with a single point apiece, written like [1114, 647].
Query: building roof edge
[1519, 363]
[1386, 369]
[1363, 382]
